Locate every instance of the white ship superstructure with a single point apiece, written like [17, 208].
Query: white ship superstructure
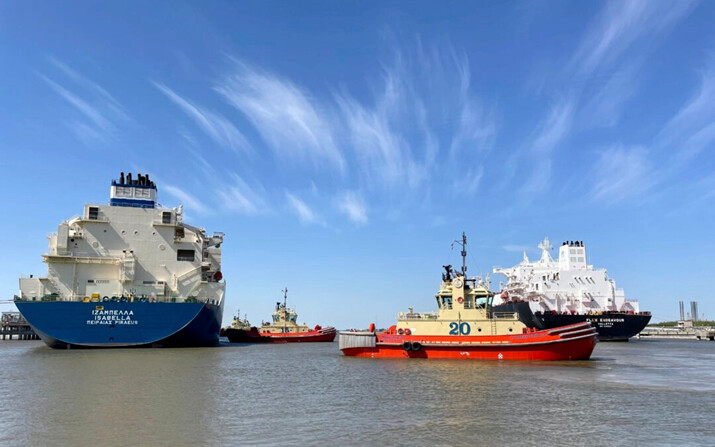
[129, 250]
[565, 285]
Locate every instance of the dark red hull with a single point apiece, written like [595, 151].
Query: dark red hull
[254, 336]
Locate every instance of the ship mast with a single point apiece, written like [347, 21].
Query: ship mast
[285, 307]
[464, 253]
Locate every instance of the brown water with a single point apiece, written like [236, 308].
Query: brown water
[637, 393]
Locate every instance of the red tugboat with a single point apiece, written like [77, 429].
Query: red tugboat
[465, 327]
[283, 329]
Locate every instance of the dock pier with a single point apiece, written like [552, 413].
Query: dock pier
[698, 334]
[14, 327]
[685, 330]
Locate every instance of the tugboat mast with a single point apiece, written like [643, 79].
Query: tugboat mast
[464, 254]
[285, 307]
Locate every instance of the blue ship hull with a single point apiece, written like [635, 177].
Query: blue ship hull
[63, 324]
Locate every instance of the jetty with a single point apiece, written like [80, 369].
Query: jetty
[683, 331]
[14, 327]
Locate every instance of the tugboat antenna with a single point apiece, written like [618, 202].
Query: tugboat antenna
[464, 254]
[285, 306]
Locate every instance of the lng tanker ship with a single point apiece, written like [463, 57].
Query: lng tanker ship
[127, 274]
[549, 293]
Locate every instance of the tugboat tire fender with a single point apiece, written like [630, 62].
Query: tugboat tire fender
[416, 346]
[407, 346]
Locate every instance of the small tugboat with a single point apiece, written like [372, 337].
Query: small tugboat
[283, 329]
[466, 327]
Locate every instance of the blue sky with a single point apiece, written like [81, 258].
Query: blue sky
[342, 146]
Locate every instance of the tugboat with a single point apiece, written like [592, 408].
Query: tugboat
[466, 327]
[283, 329]
[127, 274]
[549, 293]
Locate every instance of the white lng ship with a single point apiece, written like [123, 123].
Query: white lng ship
[127, 274]
[550, 293]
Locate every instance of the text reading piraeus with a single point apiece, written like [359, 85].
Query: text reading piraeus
[112, 317]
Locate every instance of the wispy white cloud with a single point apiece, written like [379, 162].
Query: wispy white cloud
[470, 181]
[241, 198]
[696, 115]
[621, 24]
[110, 102]
[554, 128]
[535, 158]
[515, 248]
[606, 106]
[606, 63]
[688, 134]
[100, 114]
[424, 114]
[85, 108]
[287, 118]
[217, 127]
[302, 210]
[621, 173]
[475, 129]
[538, 179]
[422, 121]
[186, 199]
[379, 150]
[86, 133]
[352, 205]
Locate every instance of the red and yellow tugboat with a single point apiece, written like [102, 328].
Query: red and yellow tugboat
[283, 329]
[465, 327]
